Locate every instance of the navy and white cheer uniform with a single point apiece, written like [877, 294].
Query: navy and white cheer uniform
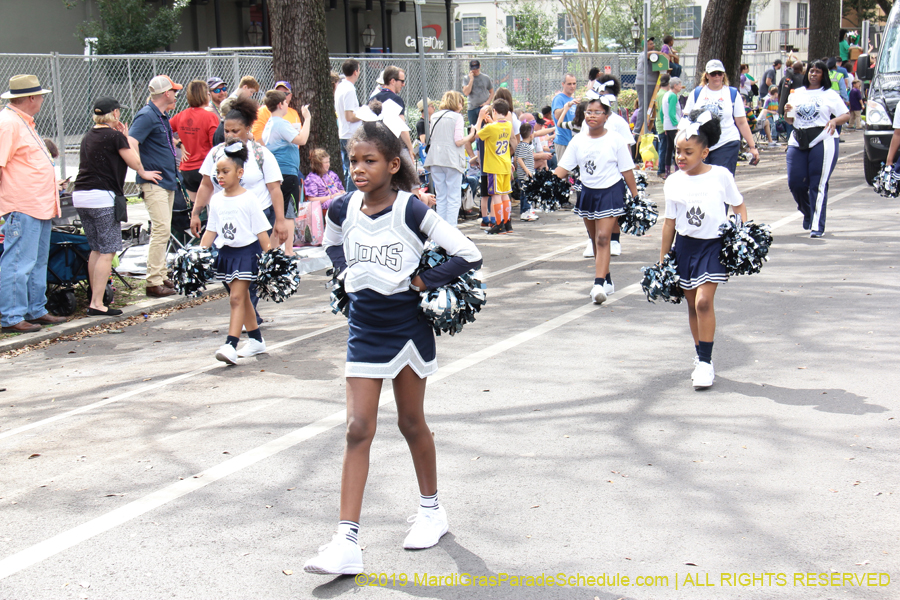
[379, 254]
[237, 221]
[699, 205]
[601, 162]
[812, 152]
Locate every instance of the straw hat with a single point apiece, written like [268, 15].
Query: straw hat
[21, 86]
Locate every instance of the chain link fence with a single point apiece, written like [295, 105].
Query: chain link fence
[78, 80]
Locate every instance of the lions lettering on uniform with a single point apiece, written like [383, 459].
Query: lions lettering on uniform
[388, 256]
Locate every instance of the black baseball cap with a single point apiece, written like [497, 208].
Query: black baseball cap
[105, 105]
[474, 64]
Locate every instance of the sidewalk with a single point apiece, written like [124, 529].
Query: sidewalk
[313, 259]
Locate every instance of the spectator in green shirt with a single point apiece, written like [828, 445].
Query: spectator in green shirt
[660, 131]
[844, 46]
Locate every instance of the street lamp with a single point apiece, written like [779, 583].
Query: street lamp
[368, 37]
[636, 36]
[255, 34]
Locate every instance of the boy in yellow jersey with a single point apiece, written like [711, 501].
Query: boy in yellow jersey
[497, 163]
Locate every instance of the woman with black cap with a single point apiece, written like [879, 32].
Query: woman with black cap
[103, 161]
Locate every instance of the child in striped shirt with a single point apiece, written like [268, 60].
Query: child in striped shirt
[525, 169]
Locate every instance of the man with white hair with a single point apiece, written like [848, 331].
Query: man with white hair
[29, 200]
[153, 135]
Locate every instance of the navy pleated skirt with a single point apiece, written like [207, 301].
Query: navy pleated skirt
[600, 204]
[238, 263]
[697, 261]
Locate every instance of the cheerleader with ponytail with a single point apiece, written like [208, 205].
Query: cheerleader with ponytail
[697, 200]
[237, 225]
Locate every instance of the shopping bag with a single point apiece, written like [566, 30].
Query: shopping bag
[649, 155]
[309, 226]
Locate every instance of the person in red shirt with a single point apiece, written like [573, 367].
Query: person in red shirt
[194, 127]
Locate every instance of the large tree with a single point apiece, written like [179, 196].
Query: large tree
[586, 16]
[618, 23]
[132, 26]
[534, 29]
[722, 36]
[824, 26]
[300, 55]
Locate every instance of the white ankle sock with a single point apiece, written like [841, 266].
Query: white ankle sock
[430, 502]
[350, 530]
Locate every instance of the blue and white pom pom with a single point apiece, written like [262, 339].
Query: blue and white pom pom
[887, 182]
[192, 268]
[340, 302]
[640, 180]
[449, 307]
[640, 213]
[745, 246]
[546, 191]
[660, 281]
[278, 277]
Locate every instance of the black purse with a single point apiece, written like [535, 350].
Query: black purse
[120, 206]
[805, 137]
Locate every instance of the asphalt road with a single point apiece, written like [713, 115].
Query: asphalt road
[134, 466]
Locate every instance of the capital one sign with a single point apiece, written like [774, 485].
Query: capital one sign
[434, 42]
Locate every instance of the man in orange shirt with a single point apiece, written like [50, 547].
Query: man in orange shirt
[29, 199]
[262, 117]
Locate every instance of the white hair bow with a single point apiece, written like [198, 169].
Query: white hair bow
[390, 116]
[234, 146]
[601, 87]
[691, 128]
[592, 95]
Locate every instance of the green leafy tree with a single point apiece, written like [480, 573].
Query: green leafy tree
[133, 26]
[534, 29]
[857, 11]
[618, 23]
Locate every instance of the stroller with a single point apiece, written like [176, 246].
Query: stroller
[67, 267]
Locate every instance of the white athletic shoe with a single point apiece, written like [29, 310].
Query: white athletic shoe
[589, 249]
[534, 215]
[340, 556]
[615, 248]
[598, 294]
[609, 288]
[252, 348]
[703, 376]
[227, 354]
[428, 527]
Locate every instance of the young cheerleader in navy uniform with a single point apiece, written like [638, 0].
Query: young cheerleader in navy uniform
[813, 148]
[237, 225]
[697, 200]
[603, 160]
[376, 236]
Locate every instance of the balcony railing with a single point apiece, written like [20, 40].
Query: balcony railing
[781, 40]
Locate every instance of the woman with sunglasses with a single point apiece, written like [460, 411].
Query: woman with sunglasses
[813, 147]
[723, 102]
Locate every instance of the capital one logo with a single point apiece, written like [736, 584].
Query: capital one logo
[429, 41]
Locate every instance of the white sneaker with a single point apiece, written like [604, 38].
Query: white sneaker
[227, 354]
[598, 294]
[340, 556]
[252, 348]
[703, 376]
[428, 527]
[615, 248]
[609, 288]
[589, 249]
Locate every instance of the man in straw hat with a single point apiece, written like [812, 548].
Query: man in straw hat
[153, 134]
[29, 199]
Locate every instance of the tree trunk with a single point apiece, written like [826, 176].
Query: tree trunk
[824, 26]
[722, 37]
[300, 56]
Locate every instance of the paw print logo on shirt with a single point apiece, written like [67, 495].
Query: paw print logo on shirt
[695, 216]
[228, 230]
[590, 167]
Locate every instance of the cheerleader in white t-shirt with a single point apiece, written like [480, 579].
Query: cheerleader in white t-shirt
[605, 166]
[237, 225]
[697, 200]
[813, 148]
[608, 85]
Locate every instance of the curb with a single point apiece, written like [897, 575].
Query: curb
[316, 261]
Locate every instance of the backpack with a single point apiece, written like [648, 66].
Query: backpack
[698, 89]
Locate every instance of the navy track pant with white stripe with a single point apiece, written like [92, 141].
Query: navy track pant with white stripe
[808, 175]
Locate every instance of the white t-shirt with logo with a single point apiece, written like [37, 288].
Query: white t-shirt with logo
[345, 99]
[253, 180]
[814, 108]
[720, 105]
[237, 220]
[601, 160]
[699, 203]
